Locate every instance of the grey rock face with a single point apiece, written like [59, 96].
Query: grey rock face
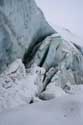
[22, 25]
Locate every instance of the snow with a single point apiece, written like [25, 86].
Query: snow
[18, 86]
[22, 87]
[60, 111]
[68, 35]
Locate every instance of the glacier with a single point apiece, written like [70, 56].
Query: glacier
[41, 68]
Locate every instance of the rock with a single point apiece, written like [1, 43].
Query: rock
[22, 26]
[18, 87]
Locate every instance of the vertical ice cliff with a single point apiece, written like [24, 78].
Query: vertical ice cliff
[22, 25]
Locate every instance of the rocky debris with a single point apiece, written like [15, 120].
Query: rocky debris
[18, 87]
[22, 26]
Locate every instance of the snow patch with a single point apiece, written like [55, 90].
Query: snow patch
[18, 86]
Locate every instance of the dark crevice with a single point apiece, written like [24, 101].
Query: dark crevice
[31, 102]
[30, 53]
[79, 48]
[49, 79]
[55, 66]
[58, 47]
[44, 57]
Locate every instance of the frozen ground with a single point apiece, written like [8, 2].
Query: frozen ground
[61, 111]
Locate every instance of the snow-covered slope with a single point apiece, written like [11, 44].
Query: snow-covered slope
[66, 110]
[18, 86]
